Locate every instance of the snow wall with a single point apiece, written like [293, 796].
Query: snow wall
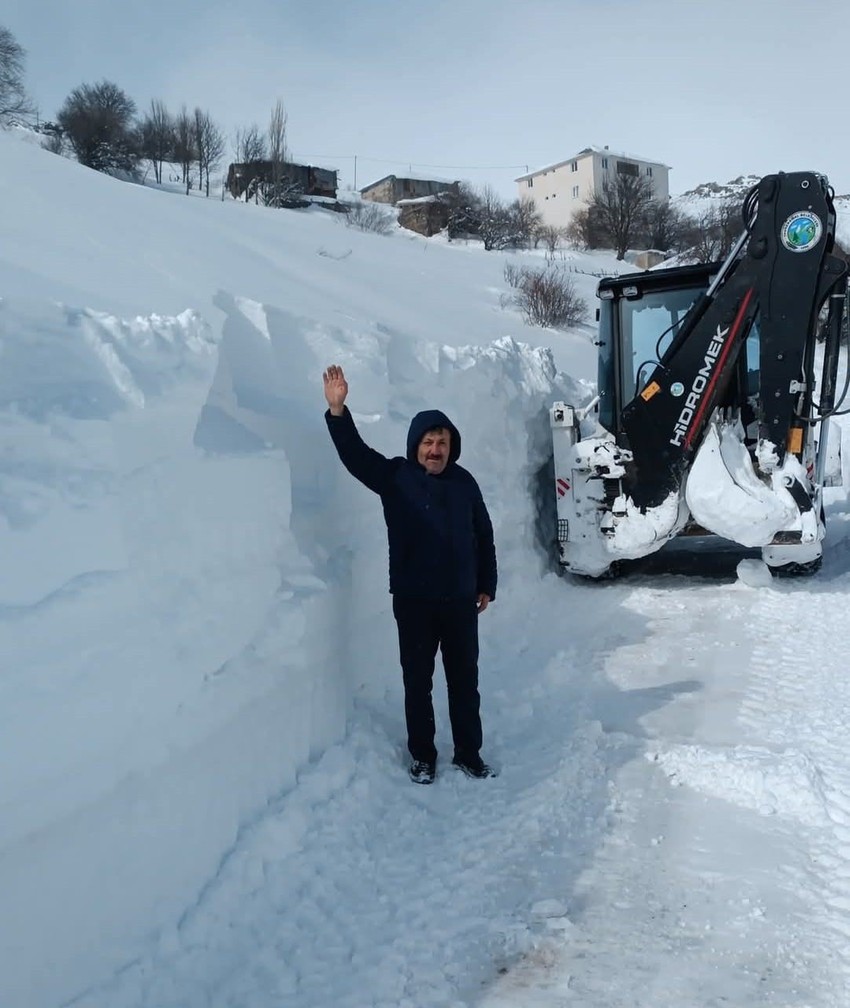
[192, 591]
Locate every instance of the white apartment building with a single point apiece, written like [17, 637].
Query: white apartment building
[560, 190]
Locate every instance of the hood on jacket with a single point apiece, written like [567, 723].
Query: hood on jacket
[428, 420]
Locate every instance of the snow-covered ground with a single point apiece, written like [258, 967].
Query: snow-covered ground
[203, 793]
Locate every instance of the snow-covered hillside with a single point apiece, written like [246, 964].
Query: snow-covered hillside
[203, 793]
[192, 592]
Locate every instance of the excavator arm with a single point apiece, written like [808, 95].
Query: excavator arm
[778, 275]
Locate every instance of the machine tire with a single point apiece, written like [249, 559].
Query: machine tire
[798, 569]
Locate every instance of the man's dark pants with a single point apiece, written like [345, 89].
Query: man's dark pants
[423, 626]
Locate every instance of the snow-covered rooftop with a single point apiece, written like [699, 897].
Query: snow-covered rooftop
[584, 152]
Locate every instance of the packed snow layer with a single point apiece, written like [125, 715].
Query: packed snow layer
[183, 549]
[149, 611]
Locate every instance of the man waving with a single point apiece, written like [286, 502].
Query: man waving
[442, 563]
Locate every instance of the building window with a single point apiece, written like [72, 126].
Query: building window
[627, 168]
[574, 166]
[575, 192]
[530, 182]
[605, 164]
[649, 172]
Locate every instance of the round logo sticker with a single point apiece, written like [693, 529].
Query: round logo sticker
[677, 389]
[801, 231]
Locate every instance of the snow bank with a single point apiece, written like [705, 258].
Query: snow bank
[192, 589]
[188, 574]
[156, 692]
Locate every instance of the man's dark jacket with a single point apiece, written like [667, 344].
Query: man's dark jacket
[440, 534]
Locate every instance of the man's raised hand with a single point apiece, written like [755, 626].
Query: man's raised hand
[336, 389]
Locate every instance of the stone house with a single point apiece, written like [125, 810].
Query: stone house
[426, 216]
[305, 179]
[393, 188]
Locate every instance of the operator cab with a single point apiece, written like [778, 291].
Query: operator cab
[639, 316]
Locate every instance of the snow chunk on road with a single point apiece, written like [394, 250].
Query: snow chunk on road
[754, 573]
[769, 782]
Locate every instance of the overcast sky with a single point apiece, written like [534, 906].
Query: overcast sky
[475, 89]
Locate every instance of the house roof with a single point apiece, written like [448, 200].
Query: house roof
[409, 178]
[287, 164]
[584, 152]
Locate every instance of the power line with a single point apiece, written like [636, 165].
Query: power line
[354, 158]
[407, 161]
[497, 167]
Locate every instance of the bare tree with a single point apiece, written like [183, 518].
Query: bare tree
[730, 223]
[279, 187]
[278, 150]
[98, 120]
[714, 231]
[618, 208]
[156, 137]
[497, 224]
[185, 151]
[14, 102]
[483, 214]
[527, 222]
[550, 235]
[664, 227]
[464, 216]
[209, 147]
[250, 145]
[251, 148]
[704, 240]
[584, 231]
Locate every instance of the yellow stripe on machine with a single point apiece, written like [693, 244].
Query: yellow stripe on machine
[795, 440]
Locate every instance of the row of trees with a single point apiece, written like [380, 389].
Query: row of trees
[474, 213]
[99, 123]
[624, 214]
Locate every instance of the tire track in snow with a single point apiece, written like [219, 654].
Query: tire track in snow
[700, 894]
[800, 697]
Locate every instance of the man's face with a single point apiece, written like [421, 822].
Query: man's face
[433, 451]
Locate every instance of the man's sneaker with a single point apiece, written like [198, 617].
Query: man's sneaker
[422, 772]
[474, 766]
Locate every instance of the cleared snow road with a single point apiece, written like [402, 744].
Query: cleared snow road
[671, 825]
